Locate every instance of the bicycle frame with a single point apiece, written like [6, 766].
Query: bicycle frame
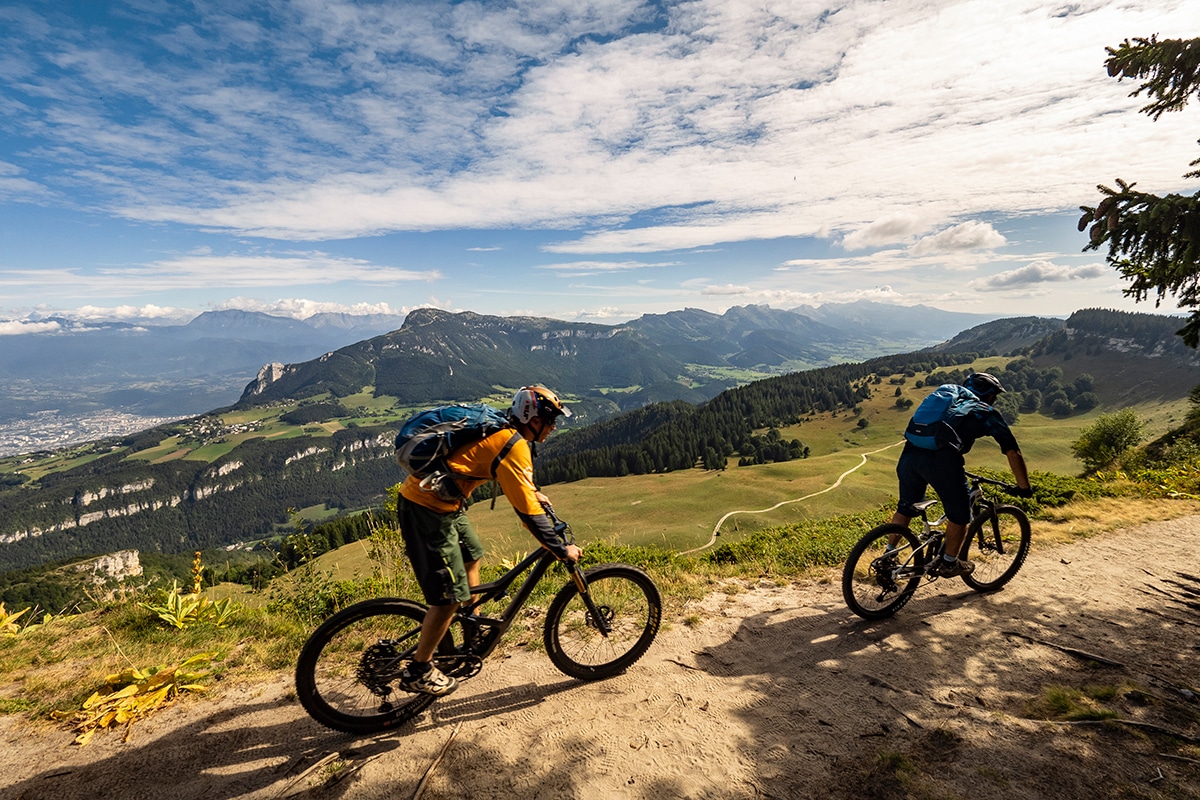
[932, 535]
[485, 632]
[493, 628]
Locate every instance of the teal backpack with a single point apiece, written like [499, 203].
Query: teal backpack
[935, 422]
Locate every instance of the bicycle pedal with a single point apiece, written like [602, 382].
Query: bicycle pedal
[463, 665]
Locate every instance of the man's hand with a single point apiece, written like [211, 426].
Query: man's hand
[574, 553]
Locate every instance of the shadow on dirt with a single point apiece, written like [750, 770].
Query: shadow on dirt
[930, 703]
[933, 702]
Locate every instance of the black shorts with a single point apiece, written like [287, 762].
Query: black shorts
[945, 471]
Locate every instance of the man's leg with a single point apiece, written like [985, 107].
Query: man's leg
[437, 622]
[472, 568]
[954, 538]
[897, 519]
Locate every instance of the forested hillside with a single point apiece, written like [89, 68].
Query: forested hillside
[116, 502]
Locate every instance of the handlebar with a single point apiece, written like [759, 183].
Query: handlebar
[1011, 488]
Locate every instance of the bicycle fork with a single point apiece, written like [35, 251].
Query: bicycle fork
[596, 615]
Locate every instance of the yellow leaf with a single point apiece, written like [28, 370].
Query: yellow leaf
[85, 737]
[128, 691]
[95, 699]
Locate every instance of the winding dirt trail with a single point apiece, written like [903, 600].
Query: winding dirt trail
[758, 691]
[716, 531]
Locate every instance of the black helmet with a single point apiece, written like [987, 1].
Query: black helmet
[984, 385]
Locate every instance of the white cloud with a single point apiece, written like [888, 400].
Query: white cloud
[744, 122]
[888, 230]
[727, 289]
[127, 313]
[966, 236]
[300, 308]
[17, 327]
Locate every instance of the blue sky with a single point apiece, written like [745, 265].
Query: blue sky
[579, 159]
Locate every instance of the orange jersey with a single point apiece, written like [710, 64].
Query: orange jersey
[472, 466]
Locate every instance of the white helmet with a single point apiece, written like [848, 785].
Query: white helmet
[536, 401]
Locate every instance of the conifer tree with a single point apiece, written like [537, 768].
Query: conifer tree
[1153, 241]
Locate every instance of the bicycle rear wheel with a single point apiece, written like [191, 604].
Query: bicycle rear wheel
[627, 599]
[346, 669]
[876, 582]
[998, 543]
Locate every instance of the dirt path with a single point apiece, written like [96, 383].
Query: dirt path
[716, 531]
[777, 692]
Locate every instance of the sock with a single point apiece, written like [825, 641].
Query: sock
[949, 559]
[419, 667]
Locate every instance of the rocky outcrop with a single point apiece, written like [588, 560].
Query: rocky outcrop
[114, 566]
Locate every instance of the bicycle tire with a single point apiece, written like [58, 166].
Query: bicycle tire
[869, 587]
[998, 551]
[628, 599]
[346, 668]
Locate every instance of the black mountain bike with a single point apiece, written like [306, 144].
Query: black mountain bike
[887, 565]
[596, 626]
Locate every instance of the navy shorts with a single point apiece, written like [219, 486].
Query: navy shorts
[944, 470]
[439, 546]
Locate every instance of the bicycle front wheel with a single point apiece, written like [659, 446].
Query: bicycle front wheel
[882, 571]
[346, 669]
[998, 543]
[626, 599]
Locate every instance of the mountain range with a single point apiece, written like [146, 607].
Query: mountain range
[168, 370]
[688, 355]
[111, 369]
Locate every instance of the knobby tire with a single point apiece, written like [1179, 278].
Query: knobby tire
[347, 669]
[869, 585]
[998, 543]
[627, 598]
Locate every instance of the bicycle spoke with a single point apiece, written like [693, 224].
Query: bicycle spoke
[345, 675]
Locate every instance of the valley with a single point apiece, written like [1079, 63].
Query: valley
[319, 437]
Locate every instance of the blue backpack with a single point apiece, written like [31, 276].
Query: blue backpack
[935, 422]
[428, 437]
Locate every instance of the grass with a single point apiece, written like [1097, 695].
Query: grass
[59, 665]
[1073, 705]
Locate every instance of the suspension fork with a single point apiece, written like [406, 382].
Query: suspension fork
[582, 587]
[992, 523]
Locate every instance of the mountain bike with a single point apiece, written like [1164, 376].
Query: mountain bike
[596, 626]
[887, 565]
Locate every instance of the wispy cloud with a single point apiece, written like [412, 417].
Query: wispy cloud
[336, 119]
[584, 268]
[782, 152]
[1040, 272]
[204, 270]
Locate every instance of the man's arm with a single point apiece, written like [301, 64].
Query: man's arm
[515, 476]
[1016, 462]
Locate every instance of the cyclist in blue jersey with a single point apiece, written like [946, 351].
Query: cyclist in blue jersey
[944, 469]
